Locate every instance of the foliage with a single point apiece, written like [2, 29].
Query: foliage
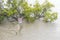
[1, 12]
[37, 10]
[27, 11]
[50, 17]
[47, 12]
[12, 9]
[30, 14]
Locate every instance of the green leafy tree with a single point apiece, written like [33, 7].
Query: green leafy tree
[47, 12]
[30, 14]
[1, 12]
[37, 10]
[12, 9]
[50, 17]
[28, 11]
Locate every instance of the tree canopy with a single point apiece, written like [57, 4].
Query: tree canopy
[30, 14]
